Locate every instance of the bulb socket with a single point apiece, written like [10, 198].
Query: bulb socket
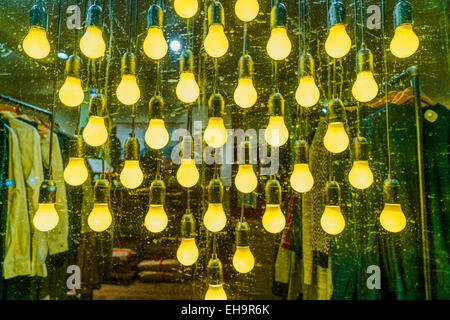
[403, 13]
[97, 105]
[38, 16]
[335, 111]
[391, 191]
[245, 66]
[332, 194]
[47, 191]
[187, 61]
[273, 192]
[131, 149]
[73, 66]
[336, 13]
[276, 105]
[360, 149]
[76, 147]
[187, 226]
[94, 16]
[216, 105]
[215, 271]
[156, 107]
[242, 234]
[247, 153]
[216, 13]
[128, 63]
[215, 191]
[187, 148]
[364, 60]
[301, 151]
[155, 16]
[157, 193]
[101, 191]
[278, 15]
[305, 65]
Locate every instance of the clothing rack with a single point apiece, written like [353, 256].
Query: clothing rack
[26, 105]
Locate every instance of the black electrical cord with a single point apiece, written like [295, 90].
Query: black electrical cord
[356, 61]
[130, 27]
[386, 86]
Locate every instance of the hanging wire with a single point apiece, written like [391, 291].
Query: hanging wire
[356, 60]
[242, 207]
[334, 78]
[214, 245]
[244, 39]
[216, 78]
[362, 22]
[75, 52]
[136, 22]
[130, 27]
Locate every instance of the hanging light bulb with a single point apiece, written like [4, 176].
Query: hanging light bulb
[131, 176]
[273, 218]
[95, 133]
[100, 217]
[215, 218]
[360, 176]
[156, 135]
[187, 253]
[246, 10]
[405, 42]
[243, 260]
[186, 8]
[46, 218]
[76, 172]
[392, 217]
[71, 92]
[215, 133]
[215, 277]
[338, 42]
[128, 90]
[155, 45]
[332, 221]
[365, 87]
[336, 139]
[187, 88]
[279, 46]
[276, 133]
[91, 43]
[156, 218]
[301, 178]
[216, 42]
[307, 94]
[245, 94]
[246, 180]
[36, 44]
[187, 174]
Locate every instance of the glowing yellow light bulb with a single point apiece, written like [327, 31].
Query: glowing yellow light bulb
[216, 42]
[92, 44]
[405, 41]
[36, 44]
[215, 133]
[186, 8]
[100, 217]
[71, 92]
[332, 220]
[187, 88]
[246, 180]
[276, 133]
[279, 46]
[301, 178]
[155, 45]
[95, 133]
[365, 87]
[392, 217]
[215, 292]
[128, 90]
[336, 139]
[273, 219]
[360, 176]
[156, 135]
[46, 217]
[307, 93]
[76, 172]
[187, 253]
[215, 218]
[187, 174]
[243, 260]
[131, 176]
[245, 94]
[338, 43]
[246, 10]
[156, 218]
